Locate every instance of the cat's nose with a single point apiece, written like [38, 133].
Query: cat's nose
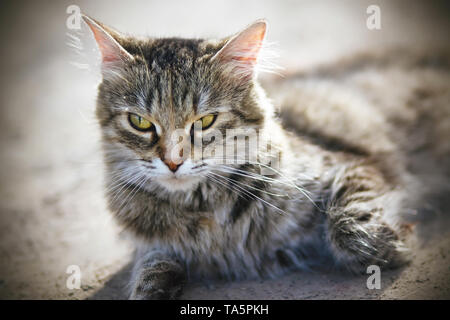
[172, 165]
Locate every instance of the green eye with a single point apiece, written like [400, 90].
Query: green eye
[139, 123]
[207, 121]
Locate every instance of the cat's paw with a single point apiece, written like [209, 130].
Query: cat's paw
[358, 241]
[163, 281]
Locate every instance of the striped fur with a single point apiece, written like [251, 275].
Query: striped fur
[336, 199]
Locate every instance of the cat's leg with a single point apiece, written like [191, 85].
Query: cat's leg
[358, 231]
[157, 276]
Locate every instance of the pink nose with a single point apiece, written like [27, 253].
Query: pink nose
[172, 165]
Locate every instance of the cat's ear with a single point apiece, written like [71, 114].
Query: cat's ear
[113, 54]
[241, 51]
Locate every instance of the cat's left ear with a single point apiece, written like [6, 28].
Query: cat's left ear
[241, 51]
[113, 54]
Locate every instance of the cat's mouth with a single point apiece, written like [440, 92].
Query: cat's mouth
[178, 182]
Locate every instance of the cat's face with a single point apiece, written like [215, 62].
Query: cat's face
[164, 105]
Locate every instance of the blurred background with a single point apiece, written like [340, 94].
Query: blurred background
[52, 211]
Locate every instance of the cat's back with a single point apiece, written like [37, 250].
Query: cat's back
[381, 102]
[386, 103]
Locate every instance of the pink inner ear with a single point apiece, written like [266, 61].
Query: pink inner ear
[247, 49]
[108, 52]
[110, 49]
[243, 49]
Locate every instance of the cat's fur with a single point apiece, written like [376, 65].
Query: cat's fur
[348, 164]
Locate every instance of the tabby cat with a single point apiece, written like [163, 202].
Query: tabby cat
[336, 164]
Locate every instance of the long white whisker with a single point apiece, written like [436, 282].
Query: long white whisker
[264, 178]
[133, 192]
[248, 192]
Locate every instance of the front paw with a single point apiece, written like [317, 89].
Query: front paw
[162, 281]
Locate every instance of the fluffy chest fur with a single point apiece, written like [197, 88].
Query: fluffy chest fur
[226, 230]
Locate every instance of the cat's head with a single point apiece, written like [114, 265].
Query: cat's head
[155, 90]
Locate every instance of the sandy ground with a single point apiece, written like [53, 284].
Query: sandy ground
[52, 211]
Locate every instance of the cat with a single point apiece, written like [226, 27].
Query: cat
[334, 173]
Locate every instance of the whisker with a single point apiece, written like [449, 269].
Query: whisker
[265, 178]
[248, 192]
[133, 192]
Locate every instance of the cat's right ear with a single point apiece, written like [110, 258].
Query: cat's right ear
[113, 54]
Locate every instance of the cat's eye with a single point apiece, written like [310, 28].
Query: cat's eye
[207, 121]
[139, 123]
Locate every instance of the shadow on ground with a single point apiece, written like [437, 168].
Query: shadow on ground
[296, 285]
[426, 277]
